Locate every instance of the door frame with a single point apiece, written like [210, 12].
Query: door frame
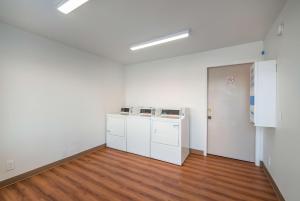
[259, 131]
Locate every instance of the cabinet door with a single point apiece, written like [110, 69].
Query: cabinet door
[115, 126]
[165, 132]
[265, 94]
[138, 135]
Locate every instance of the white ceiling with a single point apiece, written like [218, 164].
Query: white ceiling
[109, 27]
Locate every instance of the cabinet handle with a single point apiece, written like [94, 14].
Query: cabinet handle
[175, 125]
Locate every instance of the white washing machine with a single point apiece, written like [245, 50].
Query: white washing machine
[138, 129]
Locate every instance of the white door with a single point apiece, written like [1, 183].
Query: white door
[230, 133]
[138, 135]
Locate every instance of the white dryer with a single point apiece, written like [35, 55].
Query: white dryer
[170, 136]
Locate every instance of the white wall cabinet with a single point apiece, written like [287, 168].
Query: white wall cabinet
[115, 132]
[263, 94]
[138, 135]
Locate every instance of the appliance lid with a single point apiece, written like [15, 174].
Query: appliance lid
[170, 112]
[145, 111]
[125, 109]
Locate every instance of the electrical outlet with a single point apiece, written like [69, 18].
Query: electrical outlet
[269, 162]
[10, 165]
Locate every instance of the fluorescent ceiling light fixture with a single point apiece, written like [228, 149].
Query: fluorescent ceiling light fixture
[70, 5]
[158, 41]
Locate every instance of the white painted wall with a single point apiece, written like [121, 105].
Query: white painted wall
[282, 145]
[181, 82]
[53, 100]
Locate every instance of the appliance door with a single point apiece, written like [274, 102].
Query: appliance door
[116, 126]
[165, 132]
[138, 135]
[115, 133]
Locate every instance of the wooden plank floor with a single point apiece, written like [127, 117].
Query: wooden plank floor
[111, 175]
